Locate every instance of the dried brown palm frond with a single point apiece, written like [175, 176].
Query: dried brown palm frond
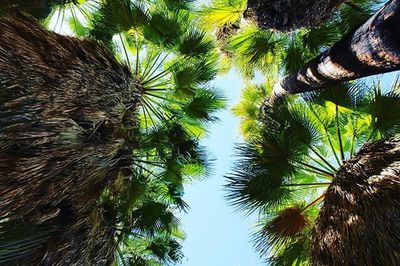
[288, 226]
[288, 223]
[66, 122]
[358, 223]
[288, 15]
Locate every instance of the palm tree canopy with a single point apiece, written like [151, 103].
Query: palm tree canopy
[301, 145]
[251, 48]
[128, 125]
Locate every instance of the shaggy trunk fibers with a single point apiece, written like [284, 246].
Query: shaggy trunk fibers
[66, 119]
[358, 223]
[288, 15]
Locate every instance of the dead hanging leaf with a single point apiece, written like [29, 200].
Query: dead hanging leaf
[289, 223]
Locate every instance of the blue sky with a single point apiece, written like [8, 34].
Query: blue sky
[216, 234]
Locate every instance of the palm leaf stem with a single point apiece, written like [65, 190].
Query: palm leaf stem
[353, 137]
[332, 147]
[158, 76]
[125, 51]
[157, 103]
[320, 164]
[326, 134]
[58, 9]
[307, 184]
[161, 97]
[155, 89]
[84, 13]
[150, 69]
[74, 18]
[323, 159]
[62, 18]
[313, 202]
[151, 163]
[338, 132]
[137, 57]
[145, 119]
[145, 169]
[121, 256]
[315, 169]
[154, 111]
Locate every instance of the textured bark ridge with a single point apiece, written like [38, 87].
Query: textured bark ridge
[66, 119]
[288, 15]
[358, 223]
[373, 48]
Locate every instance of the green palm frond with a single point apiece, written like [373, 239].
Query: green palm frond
[351, 17]
[248, 109]
[252, 186]
[179, 4]
[296, 55]
[203, 104]
[318, 38]
[78, 28]
[188, 76]
[166, 28]
[222, 12]
[153, 216]
[160, 249]
[255, 49]
[195, 43]
[383, 109]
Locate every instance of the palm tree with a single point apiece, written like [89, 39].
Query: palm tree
[357, 223]
[371, 49]
[63, 123]
[310, 151]
[79, 123]
[251, 48]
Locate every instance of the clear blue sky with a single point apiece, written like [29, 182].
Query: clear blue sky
[216, 234]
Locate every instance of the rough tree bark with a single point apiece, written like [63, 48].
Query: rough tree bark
[373, 48]
[288, 15]
[358, 223]
[66, 118]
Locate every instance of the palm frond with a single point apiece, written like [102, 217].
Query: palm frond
[222, 12]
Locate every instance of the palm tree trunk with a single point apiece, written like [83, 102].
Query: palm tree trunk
[289, 15]
[64, 126]
[38, 8]
[358, 223]
[373, 48]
